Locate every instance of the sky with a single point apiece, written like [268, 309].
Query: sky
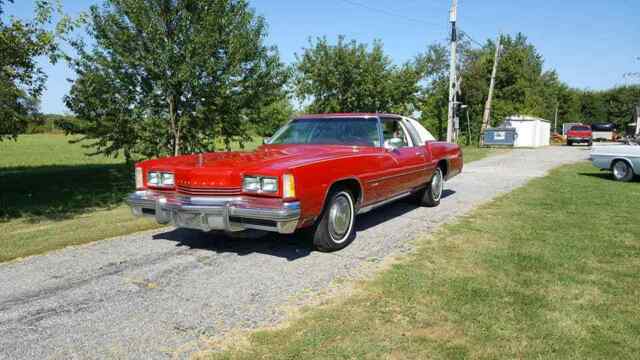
[591, 44]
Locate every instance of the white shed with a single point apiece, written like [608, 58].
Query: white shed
[531, 131]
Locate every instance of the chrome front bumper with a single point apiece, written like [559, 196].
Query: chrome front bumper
[208, 213]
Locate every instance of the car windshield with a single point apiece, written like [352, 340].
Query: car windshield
[329, 131]
[580, 128]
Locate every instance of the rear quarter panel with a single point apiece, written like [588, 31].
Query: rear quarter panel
[451, 153]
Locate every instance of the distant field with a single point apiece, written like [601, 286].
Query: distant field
[46, 150]
[54, 195]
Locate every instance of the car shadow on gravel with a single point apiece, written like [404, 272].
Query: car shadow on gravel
[290, 247]
[390, 211]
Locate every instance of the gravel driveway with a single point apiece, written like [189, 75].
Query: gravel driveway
[158, 294]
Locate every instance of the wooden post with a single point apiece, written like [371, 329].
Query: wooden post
[453, 15]
[487, 107]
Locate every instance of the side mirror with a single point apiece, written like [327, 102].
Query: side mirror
[393, 144]
[266, 140]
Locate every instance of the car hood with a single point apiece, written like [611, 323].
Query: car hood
[225, 169]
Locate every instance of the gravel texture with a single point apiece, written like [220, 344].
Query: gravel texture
[157, 295]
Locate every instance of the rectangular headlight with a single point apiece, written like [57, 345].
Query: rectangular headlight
[153, 178]
[161, 179]
[139, 178]
[269, 185]
[251, 184]
[167, 179]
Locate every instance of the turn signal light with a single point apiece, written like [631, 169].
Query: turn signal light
[288, 186]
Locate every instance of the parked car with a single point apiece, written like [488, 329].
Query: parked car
[603, 131]
[316, 173]
[579, 134]
[622, 160]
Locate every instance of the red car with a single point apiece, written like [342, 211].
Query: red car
[580, 134]
[317, 173]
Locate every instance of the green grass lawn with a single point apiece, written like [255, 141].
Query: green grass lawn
[473, 153]
[550, 271]
[53, 196]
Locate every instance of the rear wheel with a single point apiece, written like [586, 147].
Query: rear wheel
[622, 171]
[335, 230]
[432, 194]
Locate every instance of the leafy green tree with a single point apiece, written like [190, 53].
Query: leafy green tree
[274, 116]
[21, 79]
[171, 77]
[593, 107]
[522, 87]
[351, 77]
[434, 97]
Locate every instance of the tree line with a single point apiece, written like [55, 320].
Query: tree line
[164, 77]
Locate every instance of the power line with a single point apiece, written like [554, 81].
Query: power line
[389, 13]
[465, 34]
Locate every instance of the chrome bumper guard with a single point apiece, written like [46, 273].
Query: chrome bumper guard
[217, 213]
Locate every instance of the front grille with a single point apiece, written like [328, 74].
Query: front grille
[200, 191]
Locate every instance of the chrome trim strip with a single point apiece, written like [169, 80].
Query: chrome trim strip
[616, 155]
[421, 169]
[368, 208]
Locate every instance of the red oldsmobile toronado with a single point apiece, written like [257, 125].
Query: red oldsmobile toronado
[315, 174]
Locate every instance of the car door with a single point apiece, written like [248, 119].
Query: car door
[404, 160]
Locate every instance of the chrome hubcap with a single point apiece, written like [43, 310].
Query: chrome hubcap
[340, 216]
[437, 185]
[620, 170]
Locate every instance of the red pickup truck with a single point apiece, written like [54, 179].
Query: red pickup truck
[580, 134]
[317, 172]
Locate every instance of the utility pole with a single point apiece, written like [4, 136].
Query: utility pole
[637, 119]
[555, 125]
[487, 107]
[453, 16]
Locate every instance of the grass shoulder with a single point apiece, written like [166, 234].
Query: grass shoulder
[547, 271]
[474, 153]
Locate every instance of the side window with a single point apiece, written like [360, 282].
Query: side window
[413, 133]
[393, 130]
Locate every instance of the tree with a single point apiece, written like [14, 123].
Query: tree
[522, 87]
[435, 93]
[273, 117]
[350, 77]
[169, 77]
[21, 79]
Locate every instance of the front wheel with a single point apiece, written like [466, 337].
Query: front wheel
[622, 171]
[335, 230]
[431, 196]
